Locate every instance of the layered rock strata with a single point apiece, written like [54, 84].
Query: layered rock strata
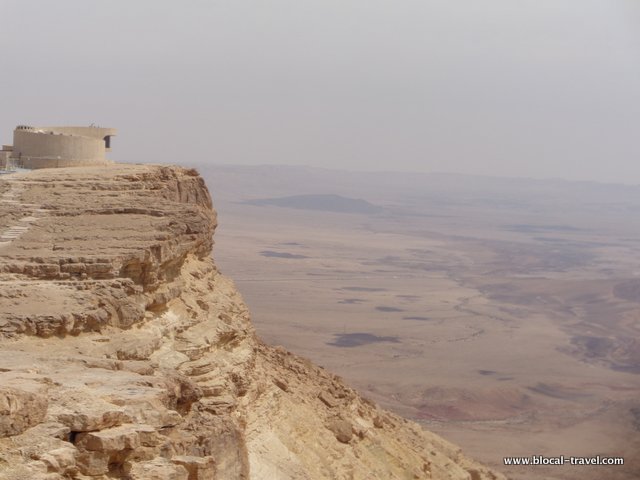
[124, 353]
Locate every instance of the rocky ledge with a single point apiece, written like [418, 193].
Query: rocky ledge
[124, 353]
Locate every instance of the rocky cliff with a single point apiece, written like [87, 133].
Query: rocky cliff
[124, 353]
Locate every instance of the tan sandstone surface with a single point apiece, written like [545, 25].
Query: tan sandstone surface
[124, 353]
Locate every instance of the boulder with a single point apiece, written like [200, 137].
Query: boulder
[20, 410]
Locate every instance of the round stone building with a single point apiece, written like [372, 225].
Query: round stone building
[50, 147]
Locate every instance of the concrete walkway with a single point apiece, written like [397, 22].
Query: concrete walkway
[31, 213]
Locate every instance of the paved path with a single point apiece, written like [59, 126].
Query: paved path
[31, 213]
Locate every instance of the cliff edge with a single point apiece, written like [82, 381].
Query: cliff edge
[124, 353]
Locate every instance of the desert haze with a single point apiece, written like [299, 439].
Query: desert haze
[397, 325]
[501, 313]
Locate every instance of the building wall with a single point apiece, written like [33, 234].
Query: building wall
[35, 163]
[91, 132]
[40, 150]
[4, 159]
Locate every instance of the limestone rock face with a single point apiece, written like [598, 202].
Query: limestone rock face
[20, 408]
[124, 353]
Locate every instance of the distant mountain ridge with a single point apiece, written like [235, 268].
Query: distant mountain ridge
[321, 202]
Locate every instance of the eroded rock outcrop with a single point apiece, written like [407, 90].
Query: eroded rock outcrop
[124, 353]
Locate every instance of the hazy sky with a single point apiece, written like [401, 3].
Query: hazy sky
[542, 88]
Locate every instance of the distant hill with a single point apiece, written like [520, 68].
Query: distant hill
[322, 202]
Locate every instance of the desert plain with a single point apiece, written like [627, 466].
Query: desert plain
[503, 314]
